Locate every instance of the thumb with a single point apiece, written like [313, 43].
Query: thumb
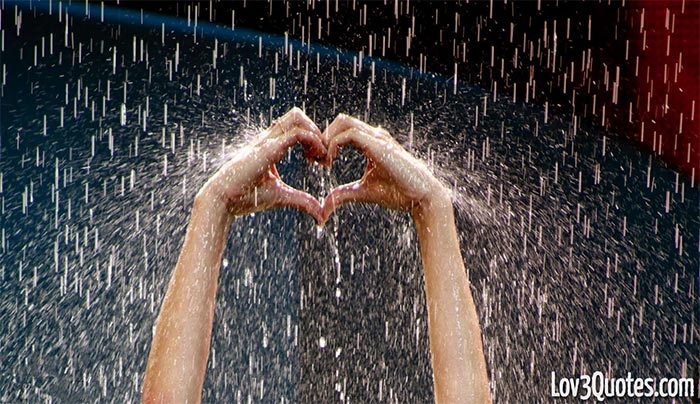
[352, 192]
[287, 196]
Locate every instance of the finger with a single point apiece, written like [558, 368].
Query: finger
[286, 196]
[274, 173]
[353, 192]
[371, 146]
[314, 149]
[299, 118]
[294, 118]
[344, 122]
[274, 149]
[295, 127]
[274, 193]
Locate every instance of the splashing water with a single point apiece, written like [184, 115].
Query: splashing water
[581, 251]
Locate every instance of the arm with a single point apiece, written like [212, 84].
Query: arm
[397, 180]
[459, 368]
[180, 348]
[248, 183]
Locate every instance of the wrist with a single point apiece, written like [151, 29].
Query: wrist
[435, 207]
[210, 204]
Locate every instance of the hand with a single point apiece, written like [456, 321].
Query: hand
[393, 177]
[250, 183]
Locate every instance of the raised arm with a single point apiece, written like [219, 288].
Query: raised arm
[247, 183]
[397, 180]
[459, 367]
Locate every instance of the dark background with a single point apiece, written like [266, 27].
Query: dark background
[568, 273]
[631, 36]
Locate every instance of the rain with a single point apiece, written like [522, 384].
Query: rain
[582, 247]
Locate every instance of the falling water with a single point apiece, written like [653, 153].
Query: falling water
[582, 251]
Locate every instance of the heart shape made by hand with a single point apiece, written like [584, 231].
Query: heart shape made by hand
[393, 178]
[249, 182]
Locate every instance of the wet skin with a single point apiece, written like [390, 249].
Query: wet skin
[249, 183]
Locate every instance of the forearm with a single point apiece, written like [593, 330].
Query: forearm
[180, 348]
[459, 367]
